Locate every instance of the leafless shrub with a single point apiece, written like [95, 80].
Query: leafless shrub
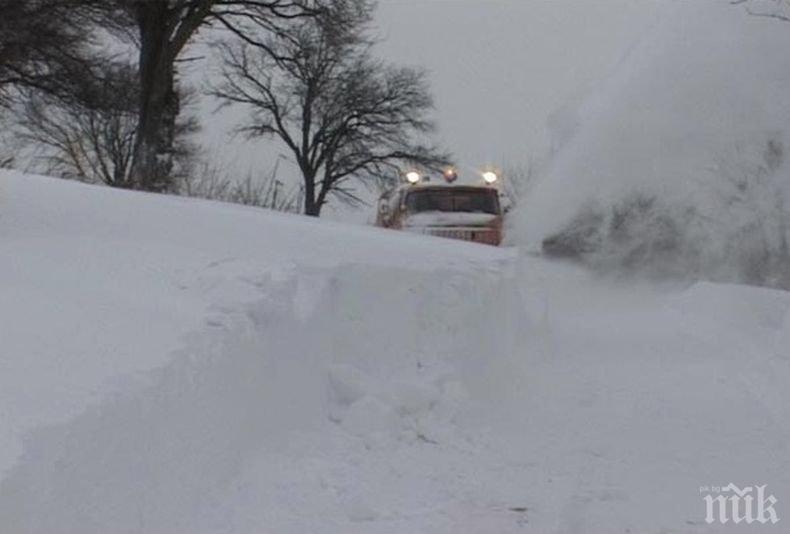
[77, 142]
[269, 192]
[92, 138]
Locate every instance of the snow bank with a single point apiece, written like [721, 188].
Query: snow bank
[686, 118]
[265, 333]
[264, 385]
[172, 365]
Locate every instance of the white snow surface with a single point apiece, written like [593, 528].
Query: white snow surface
[170, 365]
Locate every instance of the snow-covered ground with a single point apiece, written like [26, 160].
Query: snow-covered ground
[170, 365]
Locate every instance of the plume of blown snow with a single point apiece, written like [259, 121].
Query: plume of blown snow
[692, 130]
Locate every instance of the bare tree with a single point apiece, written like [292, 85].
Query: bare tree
[342, 114]
[43, 47]
[162, 29]
[92, 139]
[78, 142]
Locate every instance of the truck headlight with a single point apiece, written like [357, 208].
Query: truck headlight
[413, 177]
[490, 177]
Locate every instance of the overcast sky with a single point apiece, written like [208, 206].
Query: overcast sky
[500, 68]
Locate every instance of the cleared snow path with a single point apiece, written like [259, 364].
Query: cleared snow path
[363, 381]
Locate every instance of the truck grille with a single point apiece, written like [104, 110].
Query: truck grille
[478, 235]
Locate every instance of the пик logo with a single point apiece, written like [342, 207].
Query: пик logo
[739, 505]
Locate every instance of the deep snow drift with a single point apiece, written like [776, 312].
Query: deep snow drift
[695, 117]
[170, 365]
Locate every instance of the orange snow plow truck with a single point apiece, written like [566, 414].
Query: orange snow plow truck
[467, 212]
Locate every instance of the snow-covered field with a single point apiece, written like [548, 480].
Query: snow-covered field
[170, 365]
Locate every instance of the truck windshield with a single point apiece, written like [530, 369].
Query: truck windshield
[481, 201]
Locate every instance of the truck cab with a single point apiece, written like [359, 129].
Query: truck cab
[467, 212]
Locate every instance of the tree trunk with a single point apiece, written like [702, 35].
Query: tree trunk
[311, 207]
[312, 210]
[322, 194]
[159, 105]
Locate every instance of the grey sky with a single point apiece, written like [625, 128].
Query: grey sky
[500, 68]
